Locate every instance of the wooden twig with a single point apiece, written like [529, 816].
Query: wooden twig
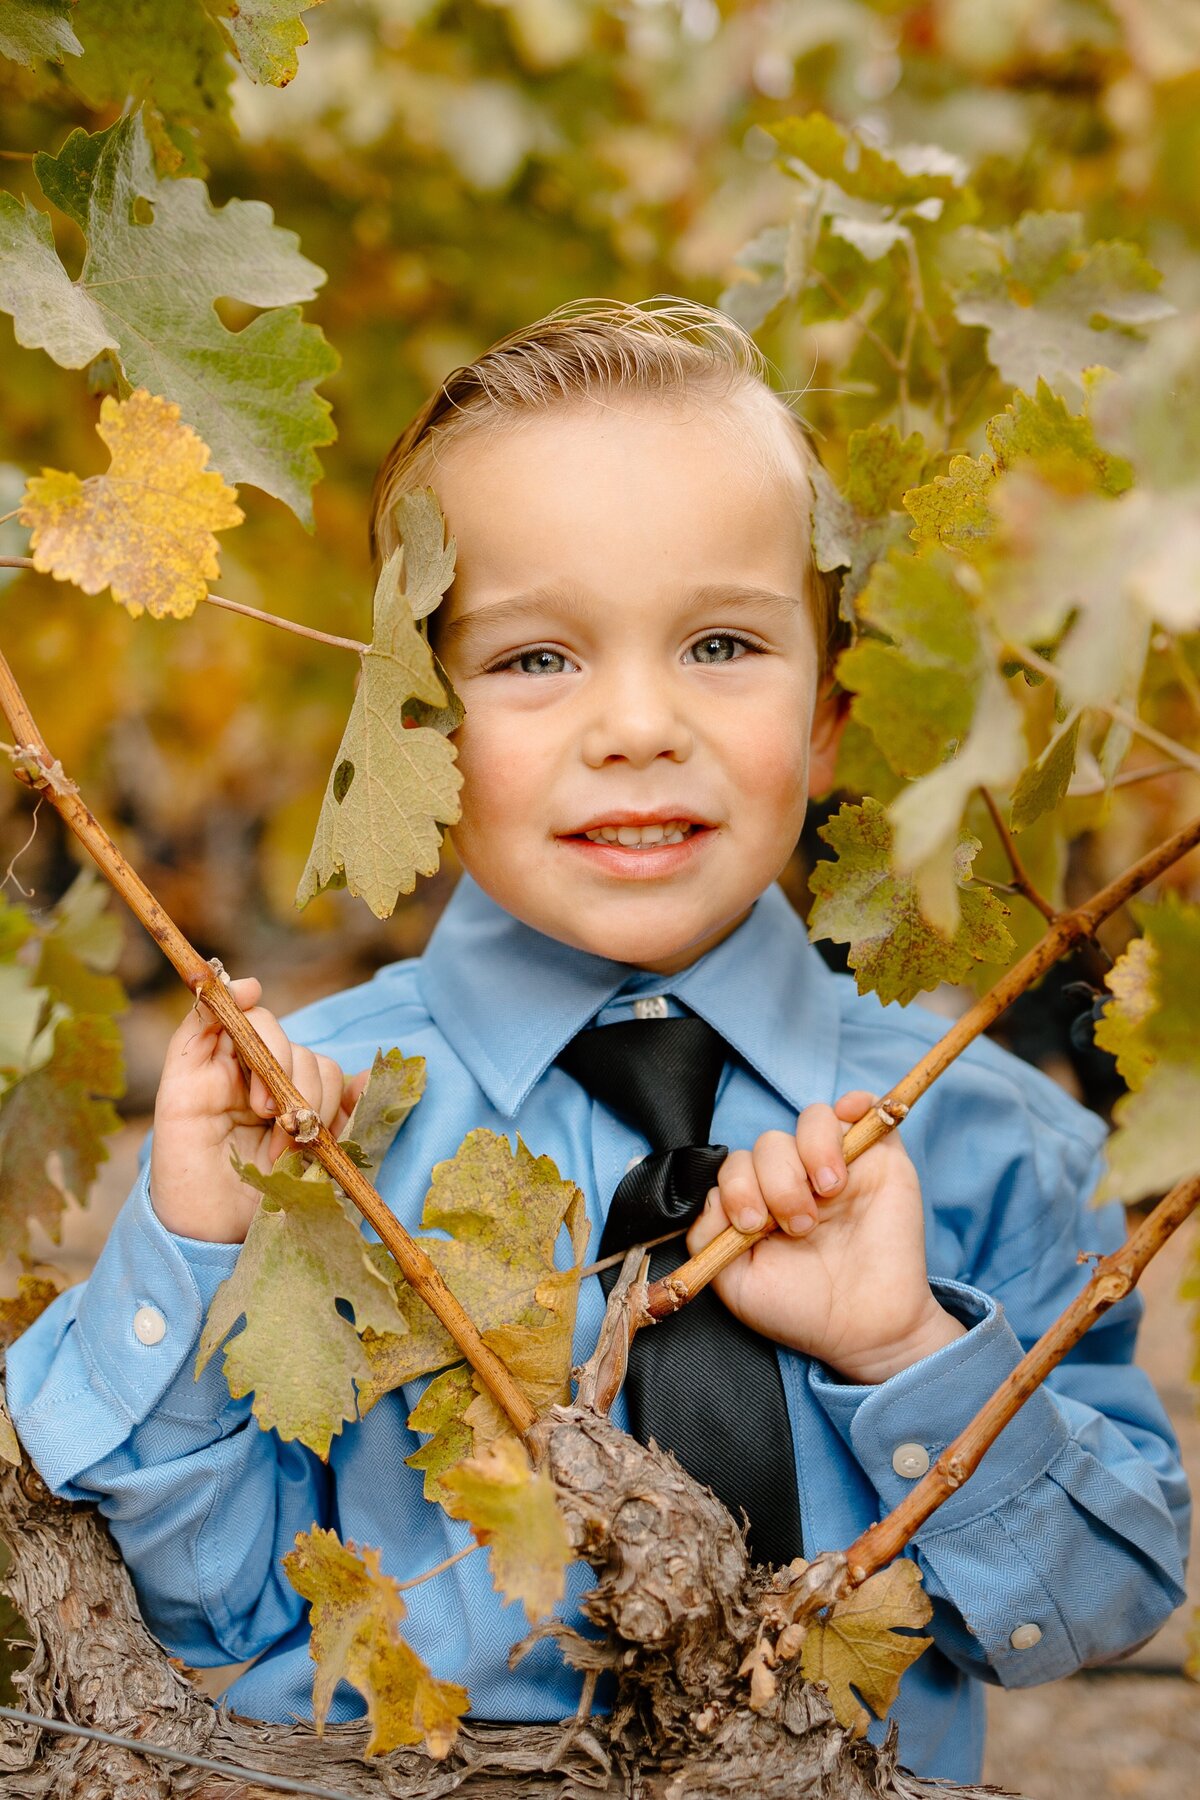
[1114, 1277]
[34, 765]
[675, 1290]
[236, 606]
[1022, 884]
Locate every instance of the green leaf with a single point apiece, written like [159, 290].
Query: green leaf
[1120, 1027]
[441, 1413]
[304, 1252]
[917, 693]
[1154, 1143]
[172, 56]
[1172, 927]
[1053, 306]
[903, 175]
[37, 30]
[862, 901]
[927, 816]
[512, 1509]
[854, 528]
[357, 1611]
[158, 255]
[1151, 411]
[391, 785]
[21, 1007]
[49, 310]
[63, 1108]
[396, 1084]
[953, 509]
[1044, 783]
[266, 35]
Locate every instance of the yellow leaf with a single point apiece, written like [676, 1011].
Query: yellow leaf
[1131, 981]
[18, 1311]
[357, 1611]
[145, 528]
[856, 1642]
[10, 1449]
[512, 1508]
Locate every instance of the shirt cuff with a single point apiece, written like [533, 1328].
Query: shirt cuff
[105, 1355]
[897, 1429]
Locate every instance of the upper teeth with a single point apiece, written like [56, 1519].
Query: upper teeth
[638, 836]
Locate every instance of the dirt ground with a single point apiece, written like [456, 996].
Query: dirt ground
[1132, 1733]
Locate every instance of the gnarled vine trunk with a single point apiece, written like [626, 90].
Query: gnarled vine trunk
[675, 1597]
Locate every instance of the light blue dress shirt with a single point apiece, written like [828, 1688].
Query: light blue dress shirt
[1065, 1548]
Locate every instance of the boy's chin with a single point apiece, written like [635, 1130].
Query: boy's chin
[662, 946]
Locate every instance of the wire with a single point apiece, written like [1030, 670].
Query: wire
[143, 1747]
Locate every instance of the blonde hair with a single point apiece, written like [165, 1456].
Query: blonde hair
[589, 348]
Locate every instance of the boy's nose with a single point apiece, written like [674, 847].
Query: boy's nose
[637, 721]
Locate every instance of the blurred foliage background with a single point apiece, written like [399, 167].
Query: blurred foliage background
[458, 169]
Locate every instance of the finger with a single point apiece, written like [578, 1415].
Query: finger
[819, 1143]
[201, 1035]
[281, 1047]
[351, 1094]
[740, 1193]
[855, 1106]
[783, 1183]
[708, 1224]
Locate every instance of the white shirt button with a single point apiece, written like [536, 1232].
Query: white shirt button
[1025, 1637]
[633, 1163]
[149, 1326]
[910, 1460]
[655, 1007]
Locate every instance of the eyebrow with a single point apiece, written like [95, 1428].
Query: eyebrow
[501, 612]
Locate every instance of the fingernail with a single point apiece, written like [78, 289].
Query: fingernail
[827, 1180]
[750, 1220]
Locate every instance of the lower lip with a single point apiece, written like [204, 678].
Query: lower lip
[642, 865]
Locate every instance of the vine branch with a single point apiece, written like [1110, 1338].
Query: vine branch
[235, 606]
[34, 765]
[829, 1577]
[675, 1290]
[1022, 884]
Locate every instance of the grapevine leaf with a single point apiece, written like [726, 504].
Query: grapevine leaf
[503, 1211]
[1173, 929]
[1154, 1144]
[396, 1084]
[512, 1509]
[145, 527]
[18, 1311]
[441, 1412]
[901, 176]
[953, 509]
[159, 254]
[853, 528]
[1044, 782]
[1053, 306]
[927, 815]
[49, 310]
[81, 948]
[916, 694]
[857, 1649]
[21, 1008]
[33, 30]
[862, 901]
[172, 56]
[1119, 1029]
[390, 785]
[1151, 411]
[773, 261]
[63, 1108]
[265, 34]
[357, 1611]
[304, 1253]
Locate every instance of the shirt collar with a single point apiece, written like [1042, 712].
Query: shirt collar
[507, 998]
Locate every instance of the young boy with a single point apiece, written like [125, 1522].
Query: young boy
[638, 635]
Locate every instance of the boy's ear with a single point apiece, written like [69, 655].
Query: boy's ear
[829, 722]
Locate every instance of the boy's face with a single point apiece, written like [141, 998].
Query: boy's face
[629, 633]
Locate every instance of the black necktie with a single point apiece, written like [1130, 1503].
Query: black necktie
[701, 1384]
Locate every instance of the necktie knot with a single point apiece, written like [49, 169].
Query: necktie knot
[659, 1075]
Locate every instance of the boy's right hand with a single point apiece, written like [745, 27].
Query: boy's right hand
[208, 1110]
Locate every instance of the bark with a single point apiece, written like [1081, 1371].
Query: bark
[676, 1599]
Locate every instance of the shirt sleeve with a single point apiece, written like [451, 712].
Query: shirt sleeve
[1067, 1545]
[201, 1502]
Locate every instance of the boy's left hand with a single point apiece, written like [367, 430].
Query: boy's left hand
[844, 1277]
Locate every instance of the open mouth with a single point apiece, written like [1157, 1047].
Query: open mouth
[642, 837]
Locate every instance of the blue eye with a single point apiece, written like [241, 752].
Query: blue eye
[716, 647]
[538, 663]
